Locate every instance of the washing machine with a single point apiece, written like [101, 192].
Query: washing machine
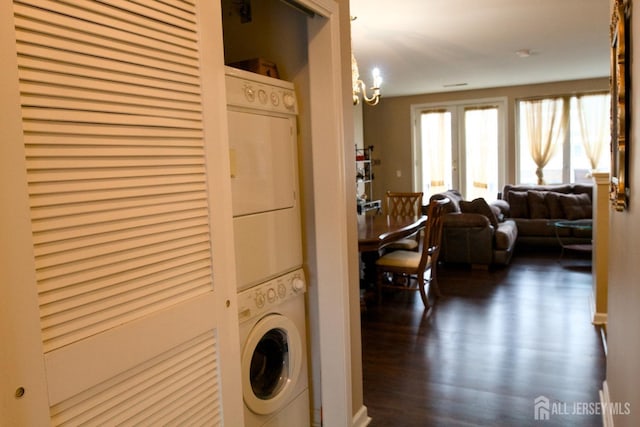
[275, 382]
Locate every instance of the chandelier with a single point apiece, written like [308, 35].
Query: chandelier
[359, 88]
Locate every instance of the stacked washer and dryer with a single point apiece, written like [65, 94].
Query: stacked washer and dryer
[267, 232]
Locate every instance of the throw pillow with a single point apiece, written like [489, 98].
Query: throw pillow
[497, 212]
[553, 203]
[479, 206]
[576, 206]
[537, 205]
[519, 205]
[453, 195]
[503, 208]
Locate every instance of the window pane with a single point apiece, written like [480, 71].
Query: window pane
[481, 142]
[585, 148]
[436, 151]
[540, 138]
[590, 135]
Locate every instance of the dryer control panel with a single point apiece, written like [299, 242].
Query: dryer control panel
[262, 298]
[255, 91]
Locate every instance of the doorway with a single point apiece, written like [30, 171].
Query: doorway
[460, 146]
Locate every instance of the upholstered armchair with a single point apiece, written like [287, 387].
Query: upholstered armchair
[476, 232]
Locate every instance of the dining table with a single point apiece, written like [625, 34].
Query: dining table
[377, 231]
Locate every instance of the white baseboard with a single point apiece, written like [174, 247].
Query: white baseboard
[317, 418]
[598, 319]
[361, 419]
[605, 401]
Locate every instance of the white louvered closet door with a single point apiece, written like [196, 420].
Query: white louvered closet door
[114, 141]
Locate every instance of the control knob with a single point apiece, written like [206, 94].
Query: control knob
[289, 101]
[259, 299]
[274, 99]
[249, 93]
[282, 290]
[262, 96]
[297, 284]
[271, 295]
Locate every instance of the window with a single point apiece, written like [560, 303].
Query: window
[562, 139]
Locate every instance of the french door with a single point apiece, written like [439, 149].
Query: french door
[460, 146]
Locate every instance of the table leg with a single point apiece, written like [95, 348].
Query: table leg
[368, 269]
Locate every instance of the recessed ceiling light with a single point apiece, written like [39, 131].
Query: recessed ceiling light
[523, 53]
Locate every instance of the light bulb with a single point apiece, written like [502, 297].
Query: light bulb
[377, 78]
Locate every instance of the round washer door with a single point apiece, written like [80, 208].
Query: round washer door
[271, 363]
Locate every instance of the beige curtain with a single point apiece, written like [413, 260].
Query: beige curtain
[546, 124]
[438, 160]
[435, 134]
[593, 116]
[481, 140]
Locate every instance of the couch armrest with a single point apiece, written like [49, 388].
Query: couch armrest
[503, 206]
[469, 245]
[465, 220]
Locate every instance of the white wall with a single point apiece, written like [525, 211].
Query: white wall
[623, 367]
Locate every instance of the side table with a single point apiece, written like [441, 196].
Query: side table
[578, 224]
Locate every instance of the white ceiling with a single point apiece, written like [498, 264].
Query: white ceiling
[428, 46]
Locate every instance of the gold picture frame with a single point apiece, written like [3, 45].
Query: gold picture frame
[620, 106]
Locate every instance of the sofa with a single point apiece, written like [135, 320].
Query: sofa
[534, 208]
[476, 232]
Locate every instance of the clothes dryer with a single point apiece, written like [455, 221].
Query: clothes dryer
[261, 118]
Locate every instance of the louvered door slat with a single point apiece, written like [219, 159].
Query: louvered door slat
[162, 11]
[100, 233]
[125, 183]
[199, 413]
[191, 382]
[116, 400]
[93, 248]
[61, 311]
[83, 195]
[71, 288]
[113, 20]
[103, 89]
[61, 298]
[122, 183]
[124, 130]
[88, 242]
[92, 269]
[94, 34]
[104, 107]
[51, 176]
[68, 27]
[34, 140]
[109, 216]
[59, 334]
[74, 52]
[149, 10]
[31, 45]
[152, 246]
[97, 118]
[180, 102]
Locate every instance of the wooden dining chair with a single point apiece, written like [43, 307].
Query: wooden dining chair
[411, 270]
[404, 204]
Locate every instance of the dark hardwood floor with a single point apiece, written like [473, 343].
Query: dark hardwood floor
[488, 348]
